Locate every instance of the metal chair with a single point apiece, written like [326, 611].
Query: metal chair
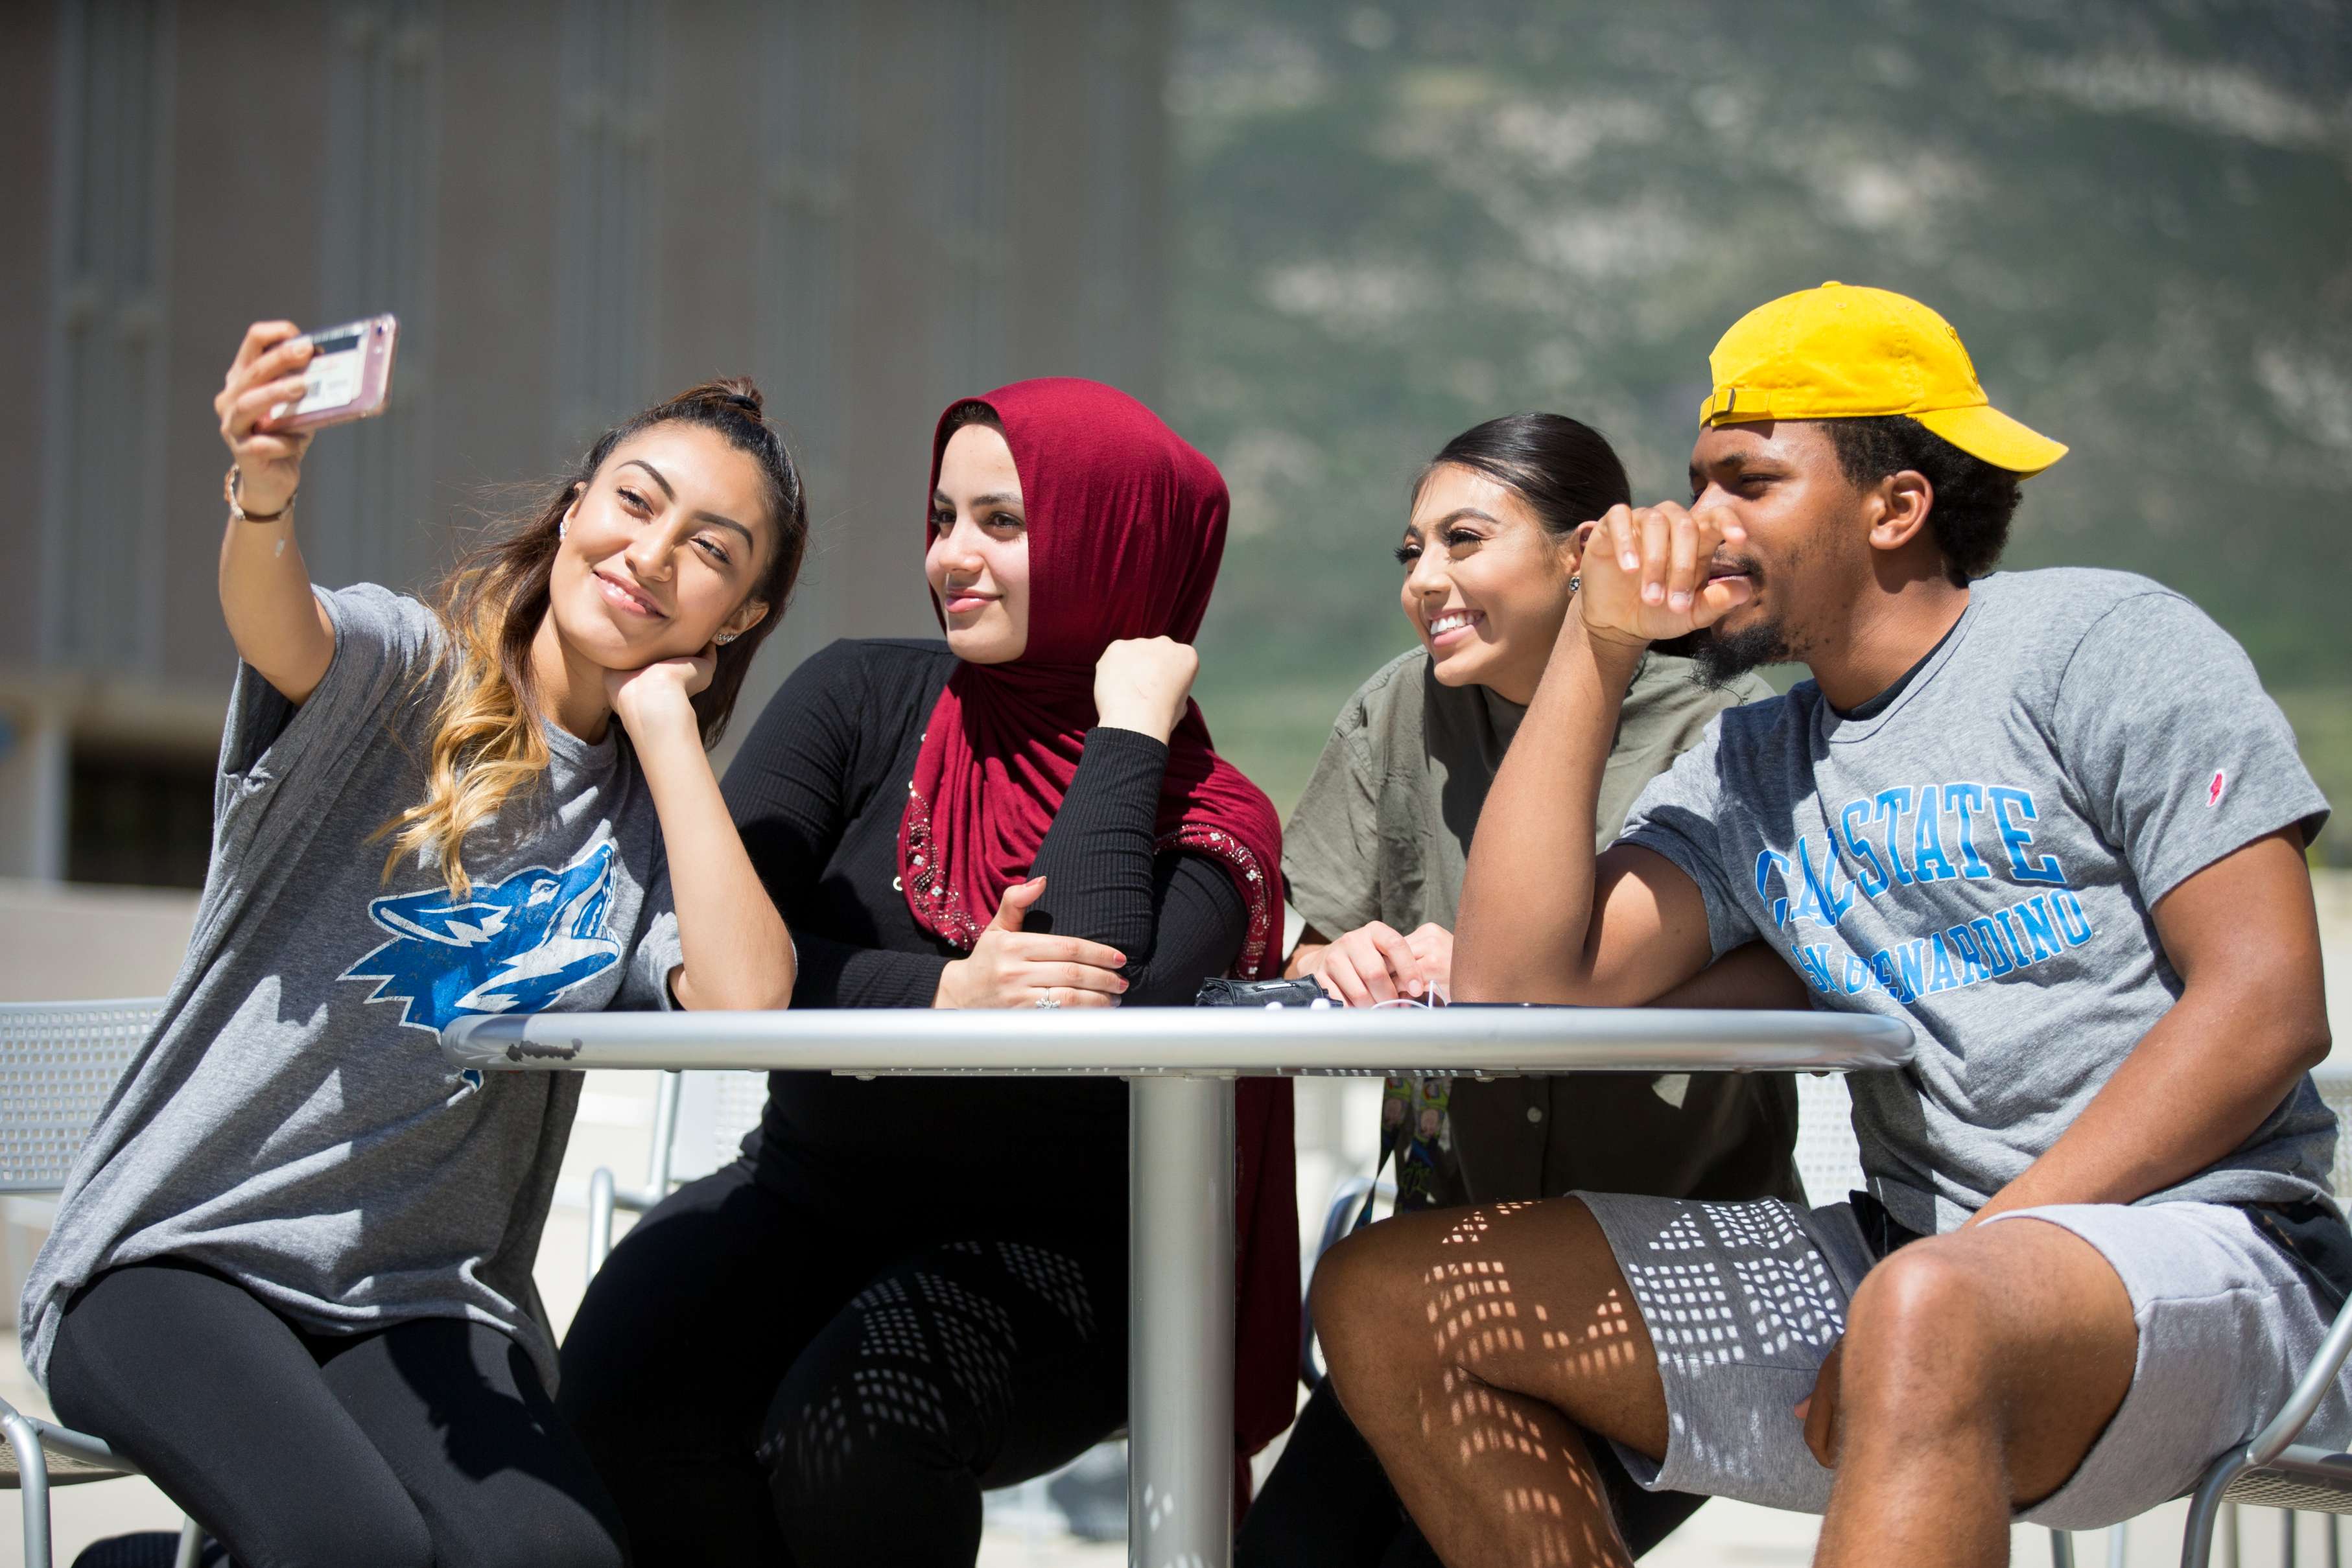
[59, 1061]
[1347, 1199]
[726, 1104]
[1828, 1158]
[2275, 1471]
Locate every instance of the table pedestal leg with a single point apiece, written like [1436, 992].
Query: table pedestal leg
[1180, 1380]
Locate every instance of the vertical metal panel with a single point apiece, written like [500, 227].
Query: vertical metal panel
[806, 119]
[29, 117]
[968, 195]
[607, 213]
[1121, 184]
[102, 490]
[807, 116]
[368, 488]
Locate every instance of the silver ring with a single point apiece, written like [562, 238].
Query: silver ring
[1046, 999]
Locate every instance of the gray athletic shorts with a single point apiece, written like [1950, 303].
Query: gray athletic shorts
[1743, 1300]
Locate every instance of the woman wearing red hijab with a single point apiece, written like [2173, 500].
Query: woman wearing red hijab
[909, 1289]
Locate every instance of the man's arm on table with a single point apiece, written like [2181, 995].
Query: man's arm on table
[1544, 919]
[1750, 976]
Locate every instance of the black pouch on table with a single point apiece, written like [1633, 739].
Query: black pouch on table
[1223, 993]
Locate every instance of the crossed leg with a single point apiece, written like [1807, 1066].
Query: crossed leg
[1480, 1354]
[1477, 1351]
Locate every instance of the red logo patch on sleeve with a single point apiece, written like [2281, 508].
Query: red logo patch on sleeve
[2215, 791]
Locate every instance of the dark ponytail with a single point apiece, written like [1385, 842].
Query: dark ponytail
[1564, 470]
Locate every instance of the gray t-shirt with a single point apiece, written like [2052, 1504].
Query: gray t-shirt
[1981, 859]
[291, 1123]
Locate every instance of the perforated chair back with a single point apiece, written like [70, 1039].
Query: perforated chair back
[740, 1099]
[2335, 1085]
[59, 1061]
[1829, 1160]
[700, 1120]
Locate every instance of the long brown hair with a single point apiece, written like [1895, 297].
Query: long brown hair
[487, 743]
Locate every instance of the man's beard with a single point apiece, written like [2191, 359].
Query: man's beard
[1723, 657]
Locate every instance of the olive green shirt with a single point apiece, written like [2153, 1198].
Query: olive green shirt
[1383, 832]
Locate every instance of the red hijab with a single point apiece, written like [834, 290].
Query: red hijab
[1126, 525]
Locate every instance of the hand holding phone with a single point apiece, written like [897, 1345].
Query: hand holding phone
[285, 383]
[348, 377]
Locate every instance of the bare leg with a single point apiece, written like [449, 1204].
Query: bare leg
[1977, 1371]
[1480, 1352]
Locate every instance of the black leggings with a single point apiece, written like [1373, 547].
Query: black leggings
[761, 1381]
[429, 1444]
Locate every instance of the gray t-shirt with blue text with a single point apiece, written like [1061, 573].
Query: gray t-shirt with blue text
[1981, 859]
[291, 1123]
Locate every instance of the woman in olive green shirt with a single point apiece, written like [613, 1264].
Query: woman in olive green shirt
[1374, 856]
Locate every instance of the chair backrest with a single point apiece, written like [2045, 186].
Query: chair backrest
[2335, 1085]
[741, 1097]
[1829, 1161]
[714, 1110]
[59, 1061]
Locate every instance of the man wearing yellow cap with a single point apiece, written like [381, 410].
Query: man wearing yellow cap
[2050, 820]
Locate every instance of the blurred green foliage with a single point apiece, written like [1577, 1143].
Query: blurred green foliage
[1398, 221]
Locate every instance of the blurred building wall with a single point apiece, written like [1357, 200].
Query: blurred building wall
[575, 206]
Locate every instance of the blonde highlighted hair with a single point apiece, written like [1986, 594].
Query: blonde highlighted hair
[487, 741]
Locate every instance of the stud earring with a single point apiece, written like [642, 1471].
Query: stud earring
[1576, 582]
[562, 531]
[725, 637]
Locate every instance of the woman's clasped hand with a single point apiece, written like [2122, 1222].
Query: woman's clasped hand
[1141, 683]
[1010, 968]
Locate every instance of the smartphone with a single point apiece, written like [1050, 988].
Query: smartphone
[350, 375]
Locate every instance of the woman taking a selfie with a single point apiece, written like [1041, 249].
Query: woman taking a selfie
[910, 1288]
[1374, 856]
[290, 1275]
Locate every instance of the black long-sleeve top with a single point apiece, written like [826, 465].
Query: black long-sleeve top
[818, 791]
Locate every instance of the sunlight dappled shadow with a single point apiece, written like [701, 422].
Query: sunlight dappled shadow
[1526, 1458]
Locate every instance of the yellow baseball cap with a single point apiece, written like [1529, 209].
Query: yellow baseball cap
[1835, 352]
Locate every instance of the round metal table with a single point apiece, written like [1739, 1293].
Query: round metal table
[1179, 1063]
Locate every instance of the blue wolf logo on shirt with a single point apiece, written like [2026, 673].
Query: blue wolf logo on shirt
[512, 946]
